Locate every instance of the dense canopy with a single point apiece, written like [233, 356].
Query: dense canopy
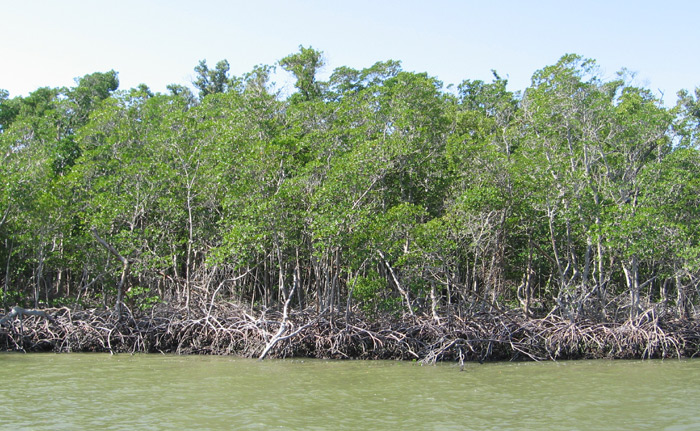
[377, 190]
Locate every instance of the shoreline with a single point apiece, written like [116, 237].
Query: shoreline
[227, 329]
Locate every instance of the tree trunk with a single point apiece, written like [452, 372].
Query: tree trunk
[125, 271]
[434, 302]
[631, 270]
[188, 261]
[524, 291]
[682, 300]
[39, 276]
[403, 292]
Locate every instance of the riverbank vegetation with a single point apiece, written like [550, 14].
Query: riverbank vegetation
[371, 206]
[227, 329]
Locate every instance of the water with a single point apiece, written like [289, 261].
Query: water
[151, 392]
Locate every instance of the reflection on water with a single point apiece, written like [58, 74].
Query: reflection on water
[150, 392]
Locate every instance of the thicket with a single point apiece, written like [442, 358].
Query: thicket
[376, 192]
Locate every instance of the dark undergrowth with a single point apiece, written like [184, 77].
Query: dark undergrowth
[227, 329]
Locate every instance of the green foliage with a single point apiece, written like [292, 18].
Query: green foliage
[90, 91]
[687, 123]
[371, 293]
[304, 65]
[580, 187]
[9, 109]
[211, 81]
[143, 298]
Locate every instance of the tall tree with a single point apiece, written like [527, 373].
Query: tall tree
[90, 91]
[305, 65]
[210, 81]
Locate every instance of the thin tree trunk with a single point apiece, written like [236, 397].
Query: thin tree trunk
[555, 249]
[7, 277]
[297, 272]
[403, 292]
[434, 302]
[681, 298]
[188, 263]
[335, 289]
[475, 278]
[4, 216]
[125, 271]
[38, 277]
[600, 279]
[524, 291]
[631, 270]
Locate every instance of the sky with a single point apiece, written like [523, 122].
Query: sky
[159, 42]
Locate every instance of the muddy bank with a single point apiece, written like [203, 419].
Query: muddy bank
[226, 329]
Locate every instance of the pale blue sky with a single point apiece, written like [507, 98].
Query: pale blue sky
[158, 42]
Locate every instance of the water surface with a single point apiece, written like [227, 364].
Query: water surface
[151, 392]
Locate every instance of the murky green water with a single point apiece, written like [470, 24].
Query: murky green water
[85, 391]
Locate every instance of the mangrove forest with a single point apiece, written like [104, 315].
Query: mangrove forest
[374, 214]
